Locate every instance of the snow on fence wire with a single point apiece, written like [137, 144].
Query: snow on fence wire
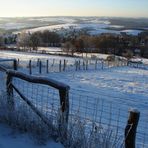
[31, 100]
[6, 64]
[137, 64]
[110, 113]
[40, 66]
[103, 121]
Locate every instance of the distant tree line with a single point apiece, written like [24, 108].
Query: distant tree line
[122, 45]
[38, 39]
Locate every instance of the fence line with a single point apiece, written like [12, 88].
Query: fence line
[138, 65]
[93, 112]
[65, 65]
[13, 92]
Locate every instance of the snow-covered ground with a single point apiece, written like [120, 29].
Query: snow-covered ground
[95, 28]
[95, 25]
[124, 87]
[11, 139]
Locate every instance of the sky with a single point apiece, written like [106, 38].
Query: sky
[117, 8]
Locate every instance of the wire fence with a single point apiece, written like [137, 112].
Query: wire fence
[93, 112]
[43, 66]
[138, 65]
[97, 108]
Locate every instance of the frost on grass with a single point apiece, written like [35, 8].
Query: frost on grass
[80, 133]
[24, 120]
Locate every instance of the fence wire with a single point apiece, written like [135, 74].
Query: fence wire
[44, 98]
[96, 108]
[92, 110]
[43, 66]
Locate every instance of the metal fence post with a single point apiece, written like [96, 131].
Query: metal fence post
[131, 127]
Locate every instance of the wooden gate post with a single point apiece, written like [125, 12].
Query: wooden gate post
[63, 121]
[131, 127]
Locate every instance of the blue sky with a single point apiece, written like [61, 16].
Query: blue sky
[123, 8]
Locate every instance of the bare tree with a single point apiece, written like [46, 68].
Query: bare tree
[35, 41]
[1, 41]
[23, 41]
[68, 47]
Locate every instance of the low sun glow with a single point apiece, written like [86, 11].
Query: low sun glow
[126, 8]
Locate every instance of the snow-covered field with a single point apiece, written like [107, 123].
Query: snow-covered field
[123, 87]
[94, 28]
[94, 25]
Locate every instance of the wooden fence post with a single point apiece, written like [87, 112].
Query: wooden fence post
[102, 64]
[63, 121]
[108, 63]
[47, 65]
[40, 67]
[60, 64]
[76, 64]
[10, 100]
[79, 64]
[15, 64]
[53, 62]
[86, 64]
[38, 62]
[30, 68]
[64, 66]
[18, 61]
[131, 127]
[96, 64]
[83, 65]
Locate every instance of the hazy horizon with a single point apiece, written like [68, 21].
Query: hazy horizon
[74, 16]
[80, 8]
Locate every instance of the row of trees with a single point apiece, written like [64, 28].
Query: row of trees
[104, 43]
[34, 40]
[108, 44]
[1, 41]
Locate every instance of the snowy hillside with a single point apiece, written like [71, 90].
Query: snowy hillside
[93, 25]
[121, 87]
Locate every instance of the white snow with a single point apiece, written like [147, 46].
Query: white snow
[125, 87]
[11, 139]
[132, 32]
